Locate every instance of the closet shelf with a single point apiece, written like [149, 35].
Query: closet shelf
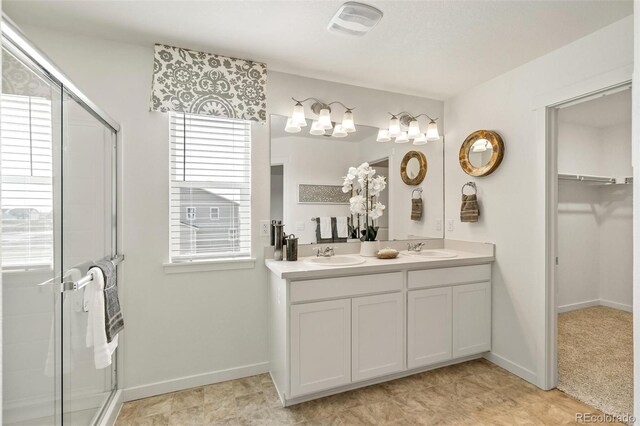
[605, 180]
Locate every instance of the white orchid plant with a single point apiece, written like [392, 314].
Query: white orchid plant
[364, 186]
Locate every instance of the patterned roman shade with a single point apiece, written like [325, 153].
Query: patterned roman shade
[202, 83]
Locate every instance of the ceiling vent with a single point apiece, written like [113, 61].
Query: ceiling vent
[355, 19]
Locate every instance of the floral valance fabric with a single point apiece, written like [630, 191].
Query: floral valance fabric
[202, 83]
[17, 79]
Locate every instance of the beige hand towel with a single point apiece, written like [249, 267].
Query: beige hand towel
[470, 210]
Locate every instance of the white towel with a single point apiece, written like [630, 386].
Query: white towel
[325, 228]
[96, 335]
[343, 227]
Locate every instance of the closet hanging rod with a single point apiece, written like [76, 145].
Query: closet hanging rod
[587, 178]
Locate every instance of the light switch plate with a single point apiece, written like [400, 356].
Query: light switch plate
[264, 228]
[439, 225]
[450, 225]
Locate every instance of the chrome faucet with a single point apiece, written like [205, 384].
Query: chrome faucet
[326, 252]
[415, 247]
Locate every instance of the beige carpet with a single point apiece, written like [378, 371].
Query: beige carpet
[595, 358]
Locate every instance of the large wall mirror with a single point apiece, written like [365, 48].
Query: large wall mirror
[307, 174]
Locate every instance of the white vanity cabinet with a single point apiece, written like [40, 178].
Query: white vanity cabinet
[449, 314]
[320, 346]
[429, 326]
[331, 330]
[471, 319]
[377, 336]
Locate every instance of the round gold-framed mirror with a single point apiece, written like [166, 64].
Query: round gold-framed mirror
[413, 168]
[481, 153]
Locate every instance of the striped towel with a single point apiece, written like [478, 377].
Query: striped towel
[470, 210]
[113, 321]
[416, 208]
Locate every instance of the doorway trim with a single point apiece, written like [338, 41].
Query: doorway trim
[546, 108]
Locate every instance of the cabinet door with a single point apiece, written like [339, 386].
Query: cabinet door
[320, 346]
[378, 340]
[471, 319]
[429, 326]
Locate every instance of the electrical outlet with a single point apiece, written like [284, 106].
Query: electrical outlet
[450, 225]
[439, 225]
[265, 230]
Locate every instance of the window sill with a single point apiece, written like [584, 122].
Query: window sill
[208, 265]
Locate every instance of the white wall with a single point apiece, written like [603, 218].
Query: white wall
[578, 245]
[513, 197]
[594, 221]
[197, 327]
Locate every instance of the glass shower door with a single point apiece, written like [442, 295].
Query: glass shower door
[30, 114]
[57, 195]
[88, 224]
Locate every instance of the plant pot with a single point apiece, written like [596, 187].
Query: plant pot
[369, 248]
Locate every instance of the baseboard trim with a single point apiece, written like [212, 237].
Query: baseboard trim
[581, 305]
[512, 367]
[596, 302]
[173, 385]
[616, 305]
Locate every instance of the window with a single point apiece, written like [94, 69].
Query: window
[27, 183]
[210, 188]
[191, 213]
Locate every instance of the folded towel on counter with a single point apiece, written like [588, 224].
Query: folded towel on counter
[114, 323]
[342, 225]
[325, 228]
[96, 334]
[416, 208]
[470, 210]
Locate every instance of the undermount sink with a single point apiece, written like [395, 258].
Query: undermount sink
[335, 260]
[432, 254]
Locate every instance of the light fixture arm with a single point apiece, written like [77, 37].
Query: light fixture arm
[319, 105]
[405, 117]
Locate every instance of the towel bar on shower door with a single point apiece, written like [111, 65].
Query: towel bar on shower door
[77, 285]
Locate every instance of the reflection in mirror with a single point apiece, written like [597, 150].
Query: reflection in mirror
[307, 174]
[413, 168]
[480, 153]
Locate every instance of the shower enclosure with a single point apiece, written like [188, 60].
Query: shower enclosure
[58, 201]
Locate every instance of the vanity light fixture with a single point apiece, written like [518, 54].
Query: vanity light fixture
[316, 130]
[383, 136]
[403, 138]
[339, 131]
[323, 123]
[405, 120]
[291, 127]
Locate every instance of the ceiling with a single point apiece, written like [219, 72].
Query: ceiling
[425, 48]
[604, 111]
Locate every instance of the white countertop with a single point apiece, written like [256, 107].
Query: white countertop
[301, 270]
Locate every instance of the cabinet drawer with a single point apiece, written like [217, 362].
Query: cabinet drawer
[449, 276]
[327, 288]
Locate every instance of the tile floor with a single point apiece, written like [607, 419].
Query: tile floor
[472, 393]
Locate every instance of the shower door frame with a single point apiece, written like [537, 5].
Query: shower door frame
[13, 35]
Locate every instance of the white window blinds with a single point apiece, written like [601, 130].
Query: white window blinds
[210, 171]
[27, 183]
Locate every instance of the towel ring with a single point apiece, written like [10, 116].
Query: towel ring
[472, 185]
[413, 193]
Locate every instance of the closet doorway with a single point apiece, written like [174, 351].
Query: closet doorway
[594, 250]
